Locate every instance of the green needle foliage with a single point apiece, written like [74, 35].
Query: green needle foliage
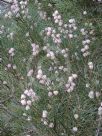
[56, 109]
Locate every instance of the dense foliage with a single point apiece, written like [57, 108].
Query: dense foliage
[51, 68]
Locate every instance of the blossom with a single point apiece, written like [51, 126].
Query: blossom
[55, 92]
[91, 94]
[76, 116]
[75, 129]
[90, 64]
[23, 102]
[30, 73]
[84, 12]
[51, 125]
[35, 49]
[44, 114]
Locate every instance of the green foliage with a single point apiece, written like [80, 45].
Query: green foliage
[12, 123]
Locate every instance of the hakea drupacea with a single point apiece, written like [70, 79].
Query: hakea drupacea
[62, 30]
[52, 55]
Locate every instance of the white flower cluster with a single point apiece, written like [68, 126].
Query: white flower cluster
[92, 94]
[71, 84]
[76, 116]
[75, 129]
[84, 12]
[28, 97]
[11, 52]
[10, 66]
[30, 72]
[23, 4]
[57, 18]
[51, 32]
[56, 70]
[42, 14]
[44, 114]
[85, 51]
[24, 9]
[8, 14]
[64, 52]
[15, 7]
[50, 93]
[10, 35]
[35, 49]
[45, 120]
[90, 65]
[86, 41]
[28, 118]
[4, 82]
[72, 24]
[42, 78]
[69, 29]
[83, 32]
[51, 55]
[63, 30]
[87, 36]
[66, 29]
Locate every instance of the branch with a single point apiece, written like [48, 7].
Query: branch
[6, 2]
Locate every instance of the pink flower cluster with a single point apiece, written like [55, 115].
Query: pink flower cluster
[28, 97]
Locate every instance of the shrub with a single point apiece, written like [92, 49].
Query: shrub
[50, 70]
